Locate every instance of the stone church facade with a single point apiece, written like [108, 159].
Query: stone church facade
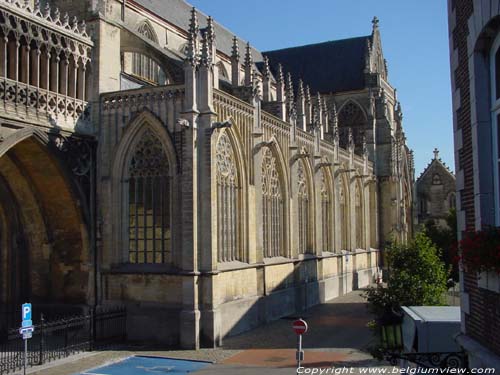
[149, 158]
[435, 193]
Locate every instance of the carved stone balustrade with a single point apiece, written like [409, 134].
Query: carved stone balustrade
[43, 65]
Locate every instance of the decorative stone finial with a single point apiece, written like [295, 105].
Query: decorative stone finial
[255, 84]
[350, 139]
[375, 22]
[279, 77]
[436, 153]
[57, 15]
[308, 95]
[192, 50]
[365, 146]
[248, 56]
[194, 26]
[205, 55]
[235, 52]
[300, 90]
[316, 117]
[210, 32]
[289, 88]
[266, 71]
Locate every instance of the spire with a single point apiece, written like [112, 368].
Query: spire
[300, 90]
[266, 70]
[308, 95]
[235, 52]
[210, 32]
[375, 23]
[210, 36]
[266, 73]
[205, 55]
[280, 77]
[192, 48]
[248, 65]
[301, 107]
[194, 27]
[335, 117]
[289, 88]
[280, 88]
[235, 63]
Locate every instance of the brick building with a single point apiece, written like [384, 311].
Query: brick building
[474, 34]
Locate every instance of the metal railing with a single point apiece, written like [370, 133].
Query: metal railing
[63, 337]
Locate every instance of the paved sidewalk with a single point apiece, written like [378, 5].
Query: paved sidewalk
[337, 336]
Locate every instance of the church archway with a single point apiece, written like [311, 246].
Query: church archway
[44, 256]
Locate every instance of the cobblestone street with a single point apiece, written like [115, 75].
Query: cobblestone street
[337, 336]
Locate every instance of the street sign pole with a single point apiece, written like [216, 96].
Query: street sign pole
[26, 330]
[299, 327]
[25, 354]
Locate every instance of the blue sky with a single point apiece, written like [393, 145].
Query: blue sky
[415, 42]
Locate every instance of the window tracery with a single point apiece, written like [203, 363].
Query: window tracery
[303, 209]
[147, 31]
[343, 217]
[351, 116]
[359, 218]
[272, 207]
[149, 202]
[326, 213]
[227, 201]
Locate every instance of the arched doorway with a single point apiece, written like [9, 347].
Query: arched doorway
[44, 254]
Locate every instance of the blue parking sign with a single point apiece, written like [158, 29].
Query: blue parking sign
[26, 315]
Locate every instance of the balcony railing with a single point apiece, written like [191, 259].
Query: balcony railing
[39, 104]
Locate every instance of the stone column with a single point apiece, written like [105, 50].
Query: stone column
[3, 56]
[73, 76]
[13, 61]
[35, 66]
[54, 71]
[63, 75]
[24, 64]
[81, 81]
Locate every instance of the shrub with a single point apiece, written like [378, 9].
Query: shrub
[417, 277]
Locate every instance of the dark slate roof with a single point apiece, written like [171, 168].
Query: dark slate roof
[178, 13]
[333, 66]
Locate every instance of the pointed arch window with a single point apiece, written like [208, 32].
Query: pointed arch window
[272, 207]
[149, 199]
[303, 209]
[326, 207]
[351, 116]
[358, 203]
[344, 223]
[147, 31]
[228, 202]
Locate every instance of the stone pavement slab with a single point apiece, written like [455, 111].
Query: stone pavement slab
[337, 336]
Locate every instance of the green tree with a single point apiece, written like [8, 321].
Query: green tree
[445, 238]
[417, 277]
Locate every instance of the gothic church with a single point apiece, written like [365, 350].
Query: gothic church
[150, 158]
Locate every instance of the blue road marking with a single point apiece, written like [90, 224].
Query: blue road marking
[138, 365]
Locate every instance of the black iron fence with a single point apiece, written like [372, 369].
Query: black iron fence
[55, 339]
